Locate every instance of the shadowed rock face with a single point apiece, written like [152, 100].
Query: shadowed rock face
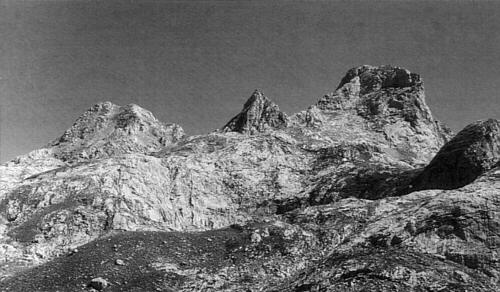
[258, 114]
[325, 199]
[472, 152]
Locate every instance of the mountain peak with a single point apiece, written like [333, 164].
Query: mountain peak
[374, 78]
[90, 121]
[388, 100]
[256, 97]
[258, 115]
[106, 129]
[307, 200]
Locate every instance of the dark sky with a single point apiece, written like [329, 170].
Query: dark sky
[196, 62]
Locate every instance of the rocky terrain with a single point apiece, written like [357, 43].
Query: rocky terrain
[362, 191]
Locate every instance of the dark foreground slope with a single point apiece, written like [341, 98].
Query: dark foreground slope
[363, 191]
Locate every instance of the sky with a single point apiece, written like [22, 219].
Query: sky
[196, 62]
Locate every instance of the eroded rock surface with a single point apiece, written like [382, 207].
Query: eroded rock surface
[356, 192]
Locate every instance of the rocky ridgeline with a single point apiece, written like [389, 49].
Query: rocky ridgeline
[362, 190]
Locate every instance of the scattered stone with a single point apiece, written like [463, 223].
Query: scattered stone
[255, 237]
[463, 277]
[119, 262]
[99, 283]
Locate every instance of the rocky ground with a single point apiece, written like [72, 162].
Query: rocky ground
[362, 191]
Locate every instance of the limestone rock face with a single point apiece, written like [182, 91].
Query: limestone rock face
[356, 192]
[259, 114]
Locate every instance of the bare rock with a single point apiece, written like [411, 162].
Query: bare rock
[335, 197]
[119, 262]
[386, 270]
[472, 152]
[383, 77]
[382, 106]
[259, 114]
[99, 283]
[107, 129]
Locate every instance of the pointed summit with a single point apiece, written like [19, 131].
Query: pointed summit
[258, 115]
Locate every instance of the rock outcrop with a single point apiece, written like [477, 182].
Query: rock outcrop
[472, 152]
[356, 192]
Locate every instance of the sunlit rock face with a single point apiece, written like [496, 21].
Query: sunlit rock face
[107, 129]
[362, 189]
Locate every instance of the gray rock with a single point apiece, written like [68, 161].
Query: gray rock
[382, 77]
[258, 115]
[99, 283]
[119, 262]
[338, 196]
[472, 152]
[107, 129]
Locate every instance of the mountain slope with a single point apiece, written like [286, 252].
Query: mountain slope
[315, 199]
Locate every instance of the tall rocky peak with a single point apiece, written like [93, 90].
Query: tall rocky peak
[386, 100]
[258, 115]
[379, 91]
[106, 129]
[472, 152]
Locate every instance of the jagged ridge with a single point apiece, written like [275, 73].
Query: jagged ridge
[315, 194]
